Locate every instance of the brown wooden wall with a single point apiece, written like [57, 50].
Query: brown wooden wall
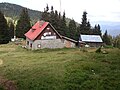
[53, 33]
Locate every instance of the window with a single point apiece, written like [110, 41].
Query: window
[48, 37]
[48, 28]
[27, 42]
[31, 45]
[38, 45]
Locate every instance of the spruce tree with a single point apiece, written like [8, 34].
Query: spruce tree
[52, 20]
[72, 29]
[99, 30]
[96, 30]
[116, 41]
[56, 20]
[64, 28]
[46, 15]
[60, 21]
[78, 32]
[23, 24]
[11, 30]
[85, 25]
[88, 28]
[4, 34]
[106, 38]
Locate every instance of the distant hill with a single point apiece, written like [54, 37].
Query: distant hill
[13, 11]
[113, 28]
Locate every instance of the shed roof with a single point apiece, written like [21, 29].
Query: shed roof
[69, 39]
[90, 38]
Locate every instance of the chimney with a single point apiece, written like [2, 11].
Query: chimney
[33, 29]
[41, 23]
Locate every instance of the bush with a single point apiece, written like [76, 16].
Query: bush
[98, 50]
[108, 46]
[1, 88]
[83, 49]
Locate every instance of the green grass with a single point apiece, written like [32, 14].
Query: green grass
[60, 69]
[1, 88]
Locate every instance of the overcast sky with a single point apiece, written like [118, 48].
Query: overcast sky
[98, 10]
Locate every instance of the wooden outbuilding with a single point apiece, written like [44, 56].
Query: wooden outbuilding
[90, 40]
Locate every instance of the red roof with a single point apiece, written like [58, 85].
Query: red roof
[36, 30]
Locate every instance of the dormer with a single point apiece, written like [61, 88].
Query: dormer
[33, 29]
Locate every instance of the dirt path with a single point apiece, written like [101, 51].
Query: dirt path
[7, 84]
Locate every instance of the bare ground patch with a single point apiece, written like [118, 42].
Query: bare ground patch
[7, 84]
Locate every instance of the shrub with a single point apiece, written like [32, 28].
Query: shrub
[1, 88]
[83, 49]
[98, 50]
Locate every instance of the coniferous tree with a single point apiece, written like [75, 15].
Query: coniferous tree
[72, 29]
[78, 32]
[56, 20]
[85, 26]
[116, 41]
[23, 24]
[64, 28]
[99, 30]
[88, 28]
[4, 34]
[96, 30]
[106, 39]
[11, 30]
[46, 15]
[60, 20]
[52, 20]
[47, 8]
[84, 23]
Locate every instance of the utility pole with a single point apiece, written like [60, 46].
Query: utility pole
[15, 23]
[60, 6]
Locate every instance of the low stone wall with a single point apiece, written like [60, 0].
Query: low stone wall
[69, 44]
[95, 44]
[39, 44]
[30, 42]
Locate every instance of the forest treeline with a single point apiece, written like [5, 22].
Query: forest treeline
[71, 30]
[11, 28]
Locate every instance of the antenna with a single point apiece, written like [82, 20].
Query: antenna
[60, 6]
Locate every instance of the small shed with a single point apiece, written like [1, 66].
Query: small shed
[91, 40]
[44, 35]
[68, 42]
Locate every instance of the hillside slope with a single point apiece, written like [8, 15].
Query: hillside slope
[13, 11]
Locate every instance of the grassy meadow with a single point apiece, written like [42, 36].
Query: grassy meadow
[60, 69]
